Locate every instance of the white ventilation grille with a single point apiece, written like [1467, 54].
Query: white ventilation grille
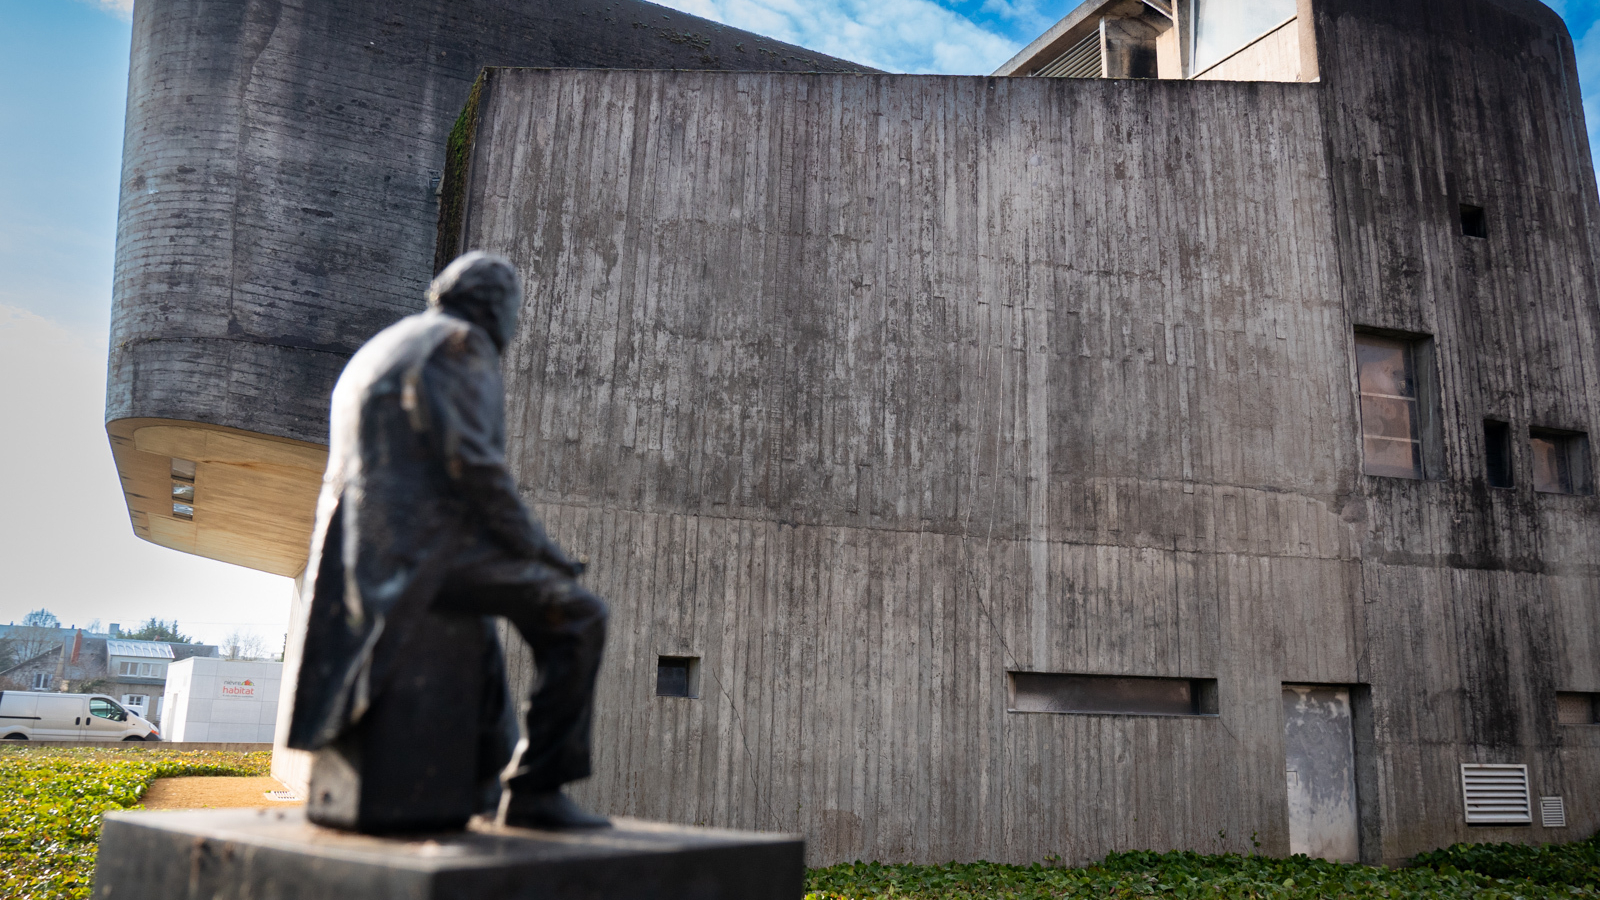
[1553, 812]
[1496, 795]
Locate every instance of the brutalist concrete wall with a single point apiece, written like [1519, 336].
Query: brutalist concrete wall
[1477, 604]
[279, 173]
[866, 390]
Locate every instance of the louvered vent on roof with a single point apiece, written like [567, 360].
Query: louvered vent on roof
[1081, 61]
[1553, 812]
[1496, 794]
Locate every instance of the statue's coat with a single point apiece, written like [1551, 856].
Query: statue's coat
[416, 475]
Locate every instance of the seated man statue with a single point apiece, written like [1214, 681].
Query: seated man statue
[419, 518]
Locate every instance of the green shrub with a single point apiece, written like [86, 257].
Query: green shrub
[51, 801]
[1553, 864]
[1223, 877]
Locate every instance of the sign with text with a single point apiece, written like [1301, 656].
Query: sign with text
[238, 688]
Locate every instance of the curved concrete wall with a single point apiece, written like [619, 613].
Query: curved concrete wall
[868, 390]
[278, 201]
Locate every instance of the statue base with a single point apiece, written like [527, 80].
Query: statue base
[240, 853]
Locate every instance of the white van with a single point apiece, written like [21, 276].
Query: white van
[37, 716]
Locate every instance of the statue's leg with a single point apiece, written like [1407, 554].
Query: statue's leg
[565, 626]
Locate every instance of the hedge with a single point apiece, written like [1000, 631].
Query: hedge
[51, 801]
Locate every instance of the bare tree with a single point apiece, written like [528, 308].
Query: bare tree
[24, 643]
[242, 643]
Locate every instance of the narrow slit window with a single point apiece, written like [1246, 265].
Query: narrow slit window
[1473, 221]
[183, 469]
[1560, 461]
[1497, 454]
[1051, 692]
[1391, 421]
[183, 491]
[676, 676]
[182, 511]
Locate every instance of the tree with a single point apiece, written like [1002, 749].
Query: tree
[41, 618]
[154, 629]
[24, 642]
[243, 643]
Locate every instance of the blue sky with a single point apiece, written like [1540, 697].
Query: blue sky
[66, 544]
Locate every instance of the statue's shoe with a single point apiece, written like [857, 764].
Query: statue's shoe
[548, 809]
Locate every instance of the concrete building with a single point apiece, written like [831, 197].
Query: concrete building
[222, 700]
[978, 467]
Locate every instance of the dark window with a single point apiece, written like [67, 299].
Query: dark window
[1473, 222]
[1560, 461]
[1573, 708]
[105, 709]
[1048, 692]
[1397, 403]
[675, 676]
[1497, 453]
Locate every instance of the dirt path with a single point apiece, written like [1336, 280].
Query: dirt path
[213, 791]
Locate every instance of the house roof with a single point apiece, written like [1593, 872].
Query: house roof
[144, 649]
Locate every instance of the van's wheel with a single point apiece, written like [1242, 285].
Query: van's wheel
[133, 737]
[16, 737]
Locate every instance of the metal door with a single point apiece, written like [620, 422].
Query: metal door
[1320, 758]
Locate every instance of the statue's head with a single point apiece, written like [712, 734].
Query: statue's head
[483, 290]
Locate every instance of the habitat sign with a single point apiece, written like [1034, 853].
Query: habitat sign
[233, 687]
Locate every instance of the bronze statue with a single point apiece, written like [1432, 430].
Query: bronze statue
[419, 519]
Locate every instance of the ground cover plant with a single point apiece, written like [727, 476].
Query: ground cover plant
[1479, 872]
[51, 800]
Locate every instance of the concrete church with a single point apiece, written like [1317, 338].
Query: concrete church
[1176, 439]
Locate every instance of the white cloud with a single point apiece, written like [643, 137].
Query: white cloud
[916, 36]
[122, 9]
[65, 541]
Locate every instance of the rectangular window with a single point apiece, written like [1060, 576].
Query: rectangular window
[1223, 27]
[41, 681]
[1394, 375]
[1473, 222]
[137, 701]
[1575, 708]
[1560, 461]
[1497, 454]
[1049, 692]
[677, 676]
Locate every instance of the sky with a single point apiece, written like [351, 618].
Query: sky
[66, 544]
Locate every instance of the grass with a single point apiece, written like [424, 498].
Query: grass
[51, 801]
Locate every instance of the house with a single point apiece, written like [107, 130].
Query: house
[133, 672]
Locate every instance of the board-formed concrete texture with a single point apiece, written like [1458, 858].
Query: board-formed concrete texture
[278, 205]
[205, 854]
[864, 391]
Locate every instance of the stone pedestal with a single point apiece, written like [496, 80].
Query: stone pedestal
[233, 854]
[422, 758]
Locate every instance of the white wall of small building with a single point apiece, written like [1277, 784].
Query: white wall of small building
[206, 700]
